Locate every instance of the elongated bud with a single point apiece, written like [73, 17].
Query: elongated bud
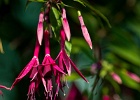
[65, 24]
[40, 27]
[84, 30]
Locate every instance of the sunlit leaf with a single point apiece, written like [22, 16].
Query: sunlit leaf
[68, 47]
[79, 1]
[96, 12]
[55, 19]
[128, 81]
[127, 54]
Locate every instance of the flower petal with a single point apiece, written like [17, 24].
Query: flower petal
[58, 69]
[2, 86]
[76, 69]
[26, 70]
[66, 62]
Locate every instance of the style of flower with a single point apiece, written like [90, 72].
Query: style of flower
[64, 61]
[65, 24]
[84, 30]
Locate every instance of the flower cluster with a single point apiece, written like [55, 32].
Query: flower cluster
[49, 68]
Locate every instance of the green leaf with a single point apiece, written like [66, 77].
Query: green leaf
[68, 47]
[79, 1]
[113, 83]
[128, 81]
[55, 19]
[96, 12]
[81, 46]
[128, 54]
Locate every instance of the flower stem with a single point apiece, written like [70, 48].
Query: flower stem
[46, 40]
[37, 48]
[63, 38]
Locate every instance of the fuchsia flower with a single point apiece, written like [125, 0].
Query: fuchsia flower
[64, 61]
[116, 77]
[40, 27]
[31, 68]
[65, 24]
[84, 30]
[48, 69]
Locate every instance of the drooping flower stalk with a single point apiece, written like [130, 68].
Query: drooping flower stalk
[65, 24]
[84, 30]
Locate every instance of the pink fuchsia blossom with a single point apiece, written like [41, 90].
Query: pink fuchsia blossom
[84, 30]
[28, 69]
[134, 76]
[65, 24]
[116, 77]
[40, 28]
[48, 69]
[64, 61]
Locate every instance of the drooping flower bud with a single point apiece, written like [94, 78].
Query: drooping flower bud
[65, 24]
[40, 28]
[84, 30]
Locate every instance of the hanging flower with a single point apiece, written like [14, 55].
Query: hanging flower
[48, 69]
[30, 68]
[64, 61]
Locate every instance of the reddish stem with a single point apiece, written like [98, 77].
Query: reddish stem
[46, 40]
[37, 48]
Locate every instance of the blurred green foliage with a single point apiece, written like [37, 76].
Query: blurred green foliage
[118, 46]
